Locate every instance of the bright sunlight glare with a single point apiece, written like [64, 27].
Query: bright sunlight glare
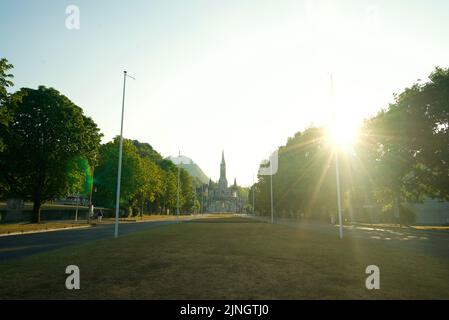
[343, 134]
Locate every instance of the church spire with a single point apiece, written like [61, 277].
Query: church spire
[223, 182]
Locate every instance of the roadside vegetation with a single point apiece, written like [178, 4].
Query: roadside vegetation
[399, 156]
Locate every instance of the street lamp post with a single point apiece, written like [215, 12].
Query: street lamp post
[177, 197]
[254, 187]
[77, 204]
[271, 193]
[337, 174]
[120, 152]
[337, 168]
[90, 194]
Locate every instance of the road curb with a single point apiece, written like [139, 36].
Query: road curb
[43, 231]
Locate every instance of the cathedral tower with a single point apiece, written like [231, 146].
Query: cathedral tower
[223, 183]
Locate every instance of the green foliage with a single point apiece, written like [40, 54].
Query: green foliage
[168, 198]
[5, 80]
[47, 133]
[107, 170]
[5, 83]
[402, 155]
[406, 215]
[149, 183]
[79, 176]
[408, 144]
[305, 182]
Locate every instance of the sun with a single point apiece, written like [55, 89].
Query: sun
[343, 134]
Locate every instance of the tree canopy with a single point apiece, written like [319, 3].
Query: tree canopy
[402, 154]
[47, 133]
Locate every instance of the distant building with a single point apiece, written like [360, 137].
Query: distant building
[221, 198]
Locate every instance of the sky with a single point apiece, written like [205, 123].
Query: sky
[212, 75]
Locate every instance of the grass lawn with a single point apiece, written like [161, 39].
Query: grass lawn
[27, 227]
[227, 258]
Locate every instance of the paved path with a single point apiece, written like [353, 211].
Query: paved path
[430, 242]
[29, 244]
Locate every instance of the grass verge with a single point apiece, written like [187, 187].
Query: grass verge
[28, 227]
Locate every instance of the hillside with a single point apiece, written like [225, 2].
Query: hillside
[191, 167]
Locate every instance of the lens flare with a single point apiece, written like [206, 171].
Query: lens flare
[343, 134]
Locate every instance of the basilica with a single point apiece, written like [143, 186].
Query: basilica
[220, 197]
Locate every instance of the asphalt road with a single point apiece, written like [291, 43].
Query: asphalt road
[28, 244]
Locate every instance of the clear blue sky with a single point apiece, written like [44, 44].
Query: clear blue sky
[241, 76]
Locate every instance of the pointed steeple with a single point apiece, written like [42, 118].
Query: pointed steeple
[223, 183]
[235, 182]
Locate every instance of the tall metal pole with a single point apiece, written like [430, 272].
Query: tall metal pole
[337, 169]
[337, 174]
[271, 187]
[254, 187]
[119, 176]
[77, 204]
[177, 200]
[91, 186]
[90, 195]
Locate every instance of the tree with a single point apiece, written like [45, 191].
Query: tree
[304, 183]
[47, 132]
[187, 194]
[150, 183]
[5, 83]
[169, 189]
[107, 170]
[408, 145]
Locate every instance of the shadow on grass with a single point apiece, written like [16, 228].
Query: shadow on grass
[224, 221]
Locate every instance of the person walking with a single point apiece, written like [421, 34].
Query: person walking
[100, 215]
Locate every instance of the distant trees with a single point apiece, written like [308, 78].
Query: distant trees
[49, 149]
[46, 138]
[402, 155]
[149, 183]
[5, 83]
[303, 184]
[105, 179]
[408, 145]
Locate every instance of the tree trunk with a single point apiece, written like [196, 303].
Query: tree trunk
[350, 207]
[141, 212]
[396, 210]
[36, 211]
